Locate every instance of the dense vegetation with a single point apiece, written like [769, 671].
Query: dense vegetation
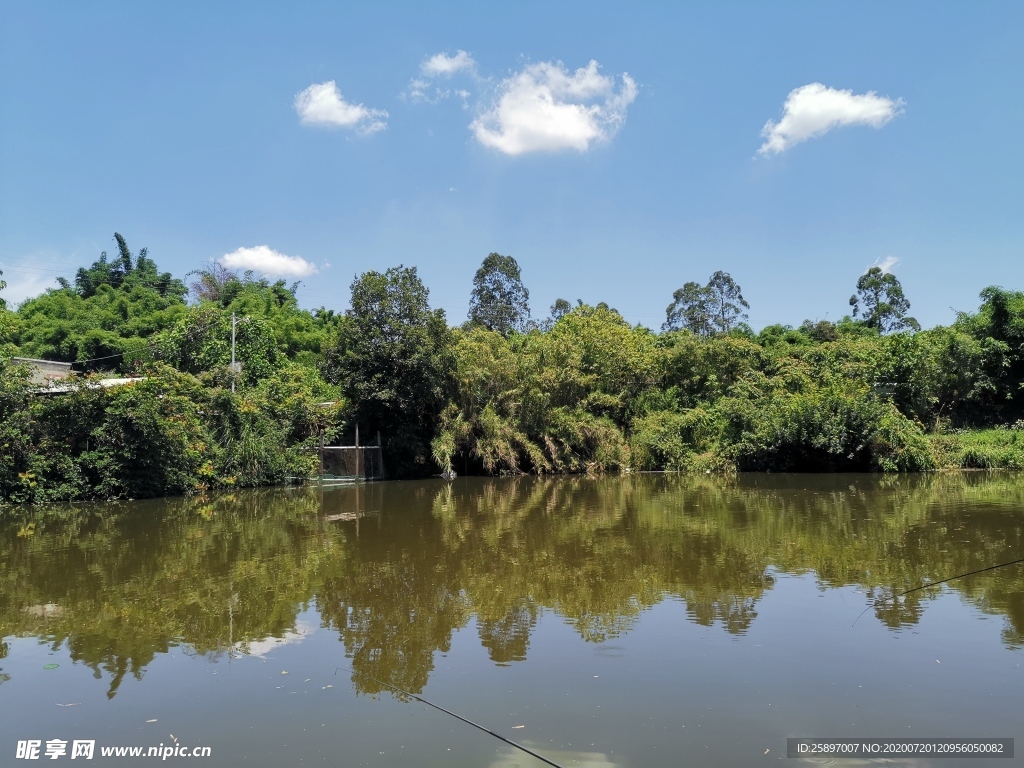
[581, 390]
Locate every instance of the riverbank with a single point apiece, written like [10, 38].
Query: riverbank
[979, 449]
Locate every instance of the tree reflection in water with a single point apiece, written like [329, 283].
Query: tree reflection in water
[395, 569]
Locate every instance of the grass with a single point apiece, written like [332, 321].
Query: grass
[979, 449]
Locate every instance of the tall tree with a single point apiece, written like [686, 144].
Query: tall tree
[726, 301]
[709, 309]
[126, 270]
[880, 302]
[559, 309]
[392, 363]
[499, 300]
[3, 284]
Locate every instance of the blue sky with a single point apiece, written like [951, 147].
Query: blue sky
[452, 130]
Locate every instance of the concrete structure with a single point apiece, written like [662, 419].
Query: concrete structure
[44, 372]
[62, 388]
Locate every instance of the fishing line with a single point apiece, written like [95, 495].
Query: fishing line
[449, 712]
[935, 583]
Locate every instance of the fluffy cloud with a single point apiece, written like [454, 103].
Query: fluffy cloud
[264, 259]
[813, 110]
[545, 108]
[323, 104]
[442, 64]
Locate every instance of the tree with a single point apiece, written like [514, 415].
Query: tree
[499, 300]
[1000, 320]
[821, 331]
[211, 281]
[559, 309]
[690, 310]
[393, 362]
[3, 284]
[707, 310]
[62, 325]
[726, 301]
[126, 270]
[881, 303]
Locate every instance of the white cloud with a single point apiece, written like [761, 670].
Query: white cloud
[266, 646]
[442, 64]
[264, 259]
[323, 104]
[423, 91]
[418, 89]
[885, 264]
[22, 284]
[545, 108]
[813, 110]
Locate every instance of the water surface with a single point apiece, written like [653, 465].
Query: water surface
[637, 621]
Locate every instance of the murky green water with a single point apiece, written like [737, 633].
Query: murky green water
[639, 621]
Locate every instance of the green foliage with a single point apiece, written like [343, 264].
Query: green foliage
[559, 309]
[679, 442]
[298, 334]
[201, 342]
[271, 329]
[9, 327]
[942, 376]
[499, 301]
[580, 392]
[1000, 321]
[706, 310]
[980, 449]
[880, 300]
[703, 370]
[391, 358]
[546, 402]
[15, 426]
[168, 434]
[109, 324]
[832, 428]
[128, 271]
[108, 317]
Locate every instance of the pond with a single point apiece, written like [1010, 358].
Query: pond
[646, 620]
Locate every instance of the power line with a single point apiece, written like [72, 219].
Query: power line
[153, 343]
